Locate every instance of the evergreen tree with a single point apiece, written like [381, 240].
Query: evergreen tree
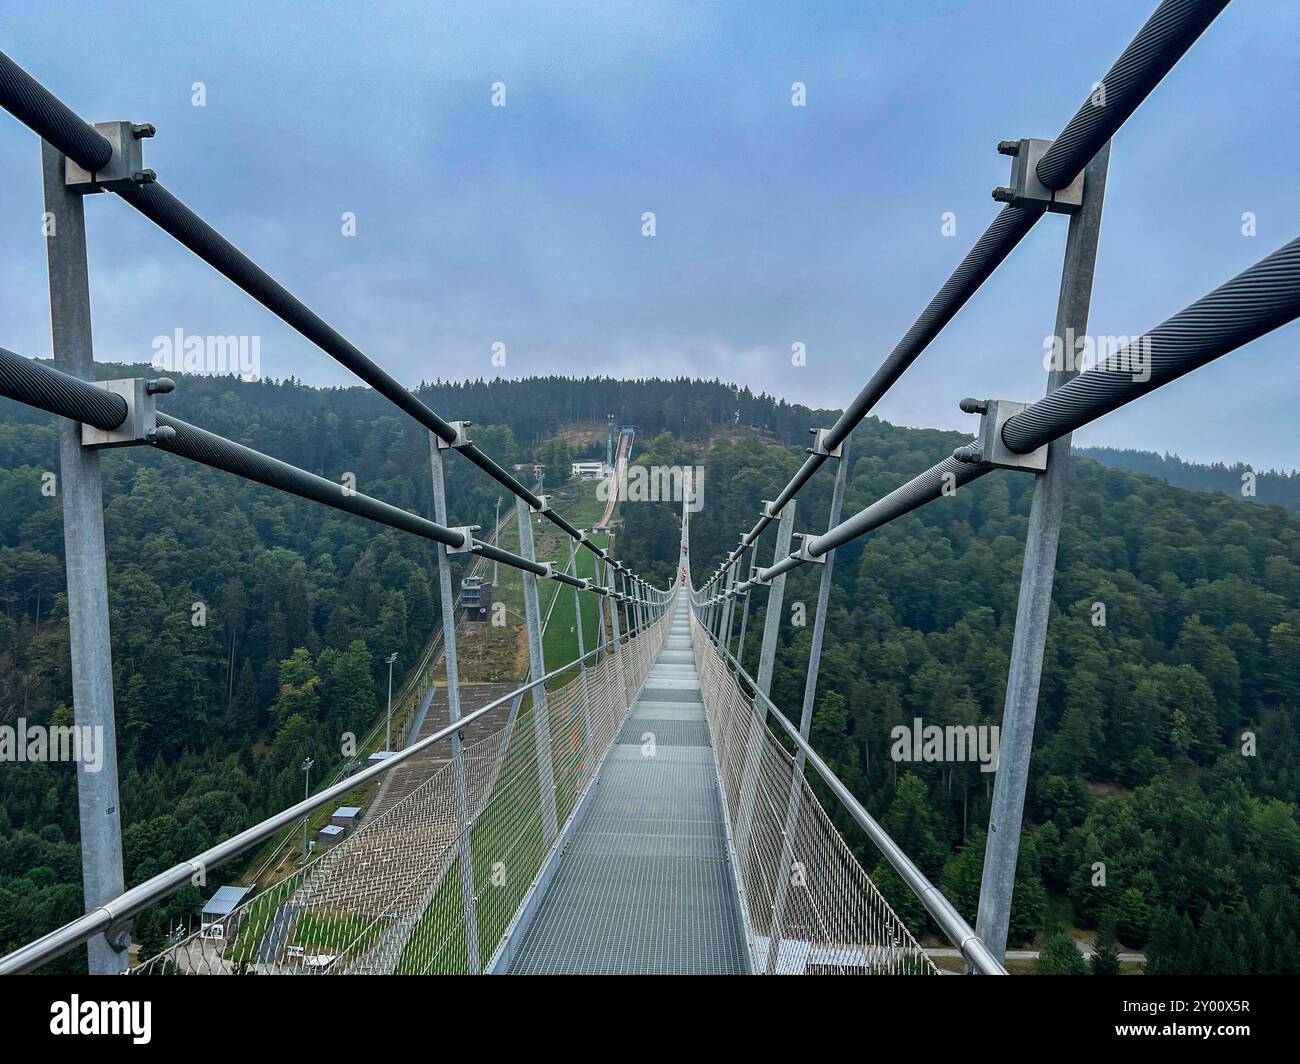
[1060, 956]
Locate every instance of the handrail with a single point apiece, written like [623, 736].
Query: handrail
[1258, 300]
[41, 111]
[950, 921]
[1163, 39]
[46, 388]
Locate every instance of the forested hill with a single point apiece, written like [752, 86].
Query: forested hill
[1238, 480]
[1139, 764]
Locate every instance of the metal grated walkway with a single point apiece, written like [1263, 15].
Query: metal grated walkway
[644, 884]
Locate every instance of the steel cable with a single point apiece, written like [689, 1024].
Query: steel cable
[39, 109]
[1256, 301]
[1165, 37]
[208, 449]
[57, 392]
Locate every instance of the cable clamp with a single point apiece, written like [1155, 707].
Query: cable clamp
[141, 423]
[545, 500]
[819, 444]
[988, 448]
[125, 167]
[468, 545]
[803, 554]
[1026, 190]
[461, 439]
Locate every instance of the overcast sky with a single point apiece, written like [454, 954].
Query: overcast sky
[775, 225]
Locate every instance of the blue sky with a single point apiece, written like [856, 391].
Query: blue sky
[774, 224]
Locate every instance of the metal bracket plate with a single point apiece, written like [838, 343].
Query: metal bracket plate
[462, 437]
[1026, 190]
[119, 934]
[125, 167]
[989, 448]
[819, 444]
[468, 532]
[141, 415]
[803, 554]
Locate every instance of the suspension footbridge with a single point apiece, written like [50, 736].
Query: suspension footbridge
[646, 807]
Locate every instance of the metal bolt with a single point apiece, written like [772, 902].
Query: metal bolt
[160, 386]
[974, 406]
[143, 131]
[1008, 147]
[144, 177]
[1003, 194]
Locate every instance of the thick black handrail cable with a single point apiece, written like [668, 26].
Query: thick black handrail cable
[57, 392]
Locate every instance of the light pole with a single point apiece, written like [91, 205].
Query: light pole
[388, 729]
[306, 793]
[496, 537]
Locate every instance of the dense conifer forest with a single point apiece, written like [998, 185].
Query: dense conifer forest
[1241, 481]
[1162, 809]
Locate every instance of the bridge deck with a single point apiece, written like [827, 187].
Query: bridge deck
[644, 884]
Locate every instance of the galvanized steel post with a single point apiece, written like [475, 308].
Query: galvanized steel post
[469, 899]
[763, 680]
[80, 490]
[537, 668]
[1033, 610]
[784, 869]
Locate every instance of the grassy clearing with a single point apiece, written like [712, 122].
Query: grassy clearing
[324, 932]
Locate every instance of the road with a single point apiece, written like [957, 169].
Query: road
[1032, 954]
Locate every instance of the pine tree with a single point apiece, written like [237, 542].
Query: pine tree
[1105, 957]
[1060, 956]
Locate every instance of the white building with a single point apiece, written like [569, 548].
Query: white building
[589, 470]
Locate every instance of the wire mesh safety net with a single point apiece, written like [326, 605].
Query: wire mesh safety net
[390, 897]
[811, 907]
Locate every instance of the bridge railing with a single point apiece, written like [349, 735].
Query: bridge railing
[809, 905]
[79, 160]
[388, 898]
[1065, 176]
